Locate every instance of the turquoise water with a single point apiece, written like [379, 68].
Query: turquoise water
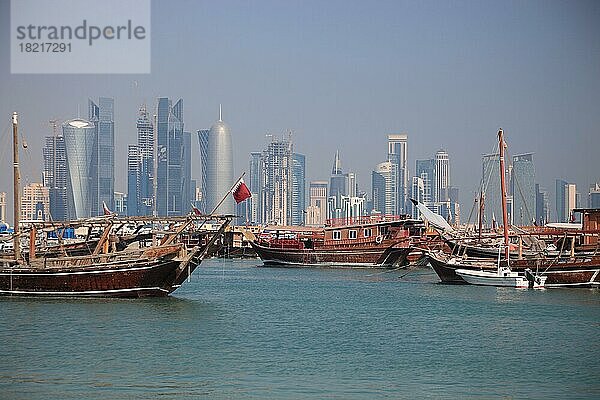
[240, 332]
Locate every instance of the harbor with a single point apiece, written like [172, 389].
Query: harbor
[299, 200]
[238, 331]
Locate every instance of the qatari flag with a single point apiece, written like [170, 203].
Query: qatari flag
[240, 191]
[106, 209]
[195, 210]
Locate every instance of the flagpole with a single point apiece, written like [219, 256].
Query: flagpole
[227, 194]
[221, 202]
[175, 234]
[246, 214]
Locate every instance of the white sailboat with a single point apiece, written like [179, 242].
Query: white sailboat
[503, 276]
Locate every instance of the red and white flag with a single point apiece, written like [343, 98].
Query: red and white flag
[240, 191]
[106, 209]
[196, 210]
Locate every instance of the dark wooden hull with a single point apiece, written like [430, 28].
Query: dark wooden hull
[237, 252]
[154, 275]
[137, 279]
[565, 273]
[578, 272]
[446, 273]
[359, 257]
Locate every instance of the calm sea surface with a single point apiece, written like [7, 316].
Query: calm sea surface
[240, 332]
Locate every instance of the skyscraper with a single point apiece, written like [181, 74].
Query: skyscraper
[384, 190]
[353, 207]
[219, 168]
[140, 167]
[35, 202]
[341, 185]
[523, 189]
[145, 131]
[561, 201]
[397, 155]
[134, 178]
[594, 196]
[276, 163]
[120, 203]
[425, 169]
[54, 176]
[102, 116]
[572, 201]
[298, 195]
[82, 167]
[169, 192]
[203, 142]
[316, 213]
[418, 193]
[255, 186]
[351, 185]
[542, 212]
[566, 200]
[442, 176]
[188, 190]
[337, 188]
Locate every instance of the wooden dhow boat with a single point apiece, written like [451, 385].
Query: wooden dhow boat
[564, 271]
[153, 271]
[539, 270]
[503, 275]
[365, 242]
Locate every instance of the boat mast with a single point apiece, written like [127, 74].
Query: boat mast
[16, 191]
[155, 167]
[481, 197]
[502, 145]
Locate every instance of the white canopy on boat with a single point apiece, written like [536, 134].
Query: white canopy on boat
[434, 219]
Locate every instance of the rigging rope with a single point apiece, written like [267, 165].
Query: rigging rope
[527, 211]
[486, 180]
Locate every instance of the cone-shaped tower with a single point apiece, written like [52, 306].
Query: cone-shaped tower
[219, 167]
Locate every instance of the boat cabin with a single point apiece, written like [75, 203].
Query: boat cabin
[591, 224]
[367, 233]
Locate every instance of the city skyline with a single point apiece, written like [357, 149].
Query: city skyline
[447, 74]
[73, 186]
[430, 180]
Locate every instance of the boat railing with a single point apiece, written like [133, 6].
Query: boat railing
[351, 242]
[136, 255]
[365, 219]
[399, 237]
[286, 244]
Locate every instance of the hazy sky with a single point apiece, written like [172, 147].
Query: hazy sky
[344, 74]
